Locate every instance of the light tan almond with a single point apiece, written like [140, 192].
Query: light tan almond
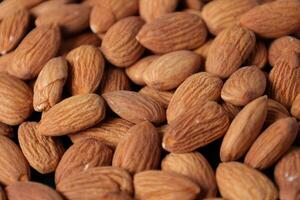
[82, 156]
[237, 181]
[194, 166]
[244, 129]
[164, 97]
[72, 115]
[295, 109]
[47, 6]
[231, 109]
[170, 70]
[276, 111]
[174, 31]
[49, 84]
[272, 143]
[135, 107]
[229, 50]
[259, 55]
[203, 49]
[201, 86]
[6, 130]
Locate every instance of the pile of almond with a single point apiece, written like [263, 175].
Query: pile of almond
[150, 99]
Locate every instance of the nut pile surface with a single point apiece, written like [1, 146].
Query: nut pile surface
[149, 99]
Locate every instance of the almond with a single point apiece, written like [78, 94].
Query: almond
[116, 196]
[82, 156]
[170, 70]
[13, 164]
[47, 6]
[119, 44]
[27, 63]
[43, 153]
[201, 86]
[15, 100]
[154, 184]
[194, 4]
[244, 129]
[6, 130]
[198, 126]
[229, 50]
[272, 143]
[5, 62]
[194, 166]
[258, 56]
[274, 19]
[203, 49]
[295, 109]
[139, 150]
[164, 97]
[135, 107]
[49, 84]
[237, 181]
[231, 109]
[174, 31]
[86, 69]
[72, 114]
[276, 111]
[244, 85]
[2, 194]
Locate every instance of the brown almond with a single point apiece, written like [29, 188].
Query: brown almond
[72, 114]
[231, 109]
[203, 49]
[194, 4]
[276, 111]
[258, 56]
[201, 86]
[82, 156]
[229, 50]
[2, 194]
[101, 18]
[86, 69]
[194, 166]
[139, 150]
[272, 143]
[295, 109]
[170, 70]
[6, 130]
[174, 31]
[47, 6]
[164, 97]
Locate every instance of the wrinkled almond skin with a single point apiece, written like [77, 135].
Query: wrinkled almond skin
[86, 69]
[49, 84]
[274, 19]
[194, 166]
[231, 109]
[197, 127]
[170, 70]
[15, 100]
[119, 45]
[203, 49]
[229, 50]
[221, 14]
[164, 97]
[237, 181]
[154, 184]
[174, 31]
[12, 29]
[201, 86]
[43, 153]
[72, 114]
[194, 4]
[5, 62]
[13, 164]
[135, 107]
[287, 175]
[35, 50]
[31, 191]
[6, 130]
[244, 85]
[139, 150]
[272, 143]
[295, 109]
[276, 111]
[258, 56]
[244, 129]
[82, 156]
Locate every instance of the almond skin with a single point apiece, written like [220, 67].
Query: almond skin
[82, 156]
[135, 107]
[43, 153]
[14, 166]
[203, 49]
[31, 191]
[72, 114]
[194, 166]
[15, 100]
[86, 69]
[197, 127]
[174, 31]
[244, 129]
[27, 63]
[139, 150]
[287, 175]
[6, 130]
[47, 6]
[231, 109]
[237, 181]
[119, 44]
[276, 111]
[12, 29]
[170, 70]
[98, 23]
[201, 86]
[154, 184]
[272, 143]
[229, 50]
[274, 19]
[244, 85]
[2, 194]
[295, 109]
[258, 56]
[164, 97]
[49, 84]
